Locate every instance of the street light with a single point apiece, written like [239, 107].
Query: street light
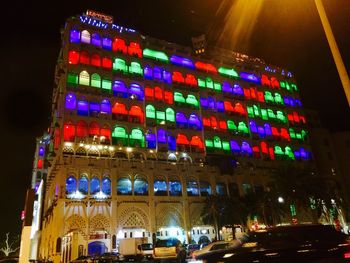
[344, 78]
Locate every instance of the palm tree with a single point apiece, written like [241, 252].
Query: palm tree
[212, 212]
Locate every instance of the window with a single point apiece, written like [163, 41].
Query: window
[140, 186]
[150, 111]
[221, 189]
[119, 45]
[135, 68]
[69, 132]
[84, 58]
[119, 89]
[106, 185]
[95, 80]
[160, 187]
[124, 186]
[205, 188]
[170, 115]
[82, 129]
[175, 188]
[94, 129]
[94, 185]
[151, 140]
[181, 119]
[75, 36]
[96, 60]
[95, 109]
[84, 78]
[119, 136]
[72, 79]
[136, 114]
[71, 102]
[136, 91]
[83, 108]
[71, 185]
[73, 57]
[96, 39]
[137, 138]
[85, 37]
[83, 185]
[107, 43]
[194, 122]
[120, 65]
[192, 188]
[106, 63]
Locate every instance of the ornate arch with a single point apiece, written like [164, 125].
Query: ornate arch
[134, 217]
[100, 222]
[169, 217]
[76, 223]
[195, 214]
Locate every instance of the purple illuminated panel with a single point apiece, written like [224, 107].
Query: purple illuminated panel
[119, 89]
[211, 103]
[41, 151]
[167, 77]
[249, 77]
[83, 108]
[96, 40]
[220, 106]
[171, 143]
[204, 103]
[157, 73]
[136, 90]
[161, 135]
[148, 72]
[180, 61]
[94, 108]
[107, 43]
[252, 126]
[151, 140]
[75, 36]
[234, 146]
[268, 130]
[237, 90]
[193, 121]
[71, 102]
[181, 118]
[226, 87]
[261, 131]
[246, 148]
[105, 107]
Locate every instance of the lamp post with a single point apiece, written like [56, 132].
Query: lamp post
[344, 78]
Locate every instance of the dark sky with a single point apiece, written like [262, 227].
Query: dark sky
[285, 34]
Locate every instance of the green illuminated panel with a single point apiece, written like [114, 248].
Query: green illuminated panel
[228, 72]
[119, 132]
[294, 87]
[135, 68]
[271, 114]
[160, 115]
[292, 133]
[72, 78]
[288, 151]
[268, 97]
[119, 64]
[231, 125]
[209, 83]
[217, 142]
[264, 114]
[250, 111]
[278, 150]
[178, 97]
[256, 111]
[242, 128]
[226, 146]
[150, 112]
[201, 83]
[192, 100]
[154, 54]
[281, 117]
[209, 143]
[170, 115]
[84, 78]
[95, 80]
[217, 86]
[106, 84]
[278, 99]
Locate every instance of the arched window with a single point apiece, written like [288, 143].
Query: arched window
[197, 143]
[235, 146]
[75, 36]
[177, 77]
[242, 128]
[237, 90]
[171, 143]
[231, 125]
[222, 125]
[226, 87]
[119, 89]
[175, 188]
[134, 49]
[221, 189]
[252, 126]
[161, 136]
[94, 186]
[106, 63]
[209, 83]
[192, 188]
[211, 103]
[135, 68]
[119, 111]
[151, 140]
[191, 80]
[106, 84]
[95, 109]
[119, 45]
[106, 185]
[217, 142]
[136, 91]
[96, 39]
[179, 98]
[83, 185]
[58, 245]
[194, 122]
[124, 186]
[205, 188]
[268, 130]
[148, 72]
[157, 73]
[84, 78]
[105, 107]
[150, 111]
[105, 134]
[71, 102]
[83, 108]
[192, 100]
[94, 129]
[95, 80]
[140, 186]
[181, 119]
[85, 37]
[160, 187]
[82, 129]
[136, 114]
[120, 65]
[119, 136]
[137, 139]
[158, 93]
[149, 93]
[73, 57]
[96, 60]
[246, 148]
[72, 79]
[107, 43]
[68, 132]
[170, 115]
[71, 185]
[264, 148]
[84, 58]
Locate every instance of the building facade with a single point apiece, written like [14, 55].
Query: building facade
[143, 130]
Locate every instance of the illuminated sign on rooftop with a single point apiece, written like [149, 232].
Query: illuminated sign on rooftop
[103, 17]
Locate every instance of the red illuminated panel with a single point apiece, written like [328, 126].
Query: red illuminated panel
[253, 94]
[265, 80]
[73, 57]
[136, 112]
[149, 93]
[296, 117]
[290, 117]
[239, 109]
[40, 164]
[222, 125]
[119, 108]
[261, 96]
[182, 139]
[275, 132]
[177, 77]
[205, 67]
[302, 119]
[228, 106]
[264, 148]
[256, 152]
[168, 97]
[106, 63]
[82, 129]
[213, 122]
[191, 80]
[95, 60]
[158, 93]
[119, 45]
[94, 129]
[272, 153]
[247, 93]
[68, 132]
[284, 134]
[134, 49]
[197, 142]
[84, 58]
[206, 122]
[275, 83]
[106, 132]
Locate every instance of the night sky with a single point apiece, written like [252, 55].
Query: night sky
[286, 34]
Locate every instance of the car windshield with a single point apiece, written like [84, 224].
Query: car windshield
[167, 243]
[147, 246]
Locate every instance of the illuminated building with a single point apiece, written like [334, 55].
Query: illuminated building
[143, 130]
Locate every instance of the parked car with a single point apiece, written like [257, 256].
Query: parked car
[297, 243]
[85, 259]
[190, 248]
[210, 247]
[146, 250]
[110, 257]
[169, 249]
